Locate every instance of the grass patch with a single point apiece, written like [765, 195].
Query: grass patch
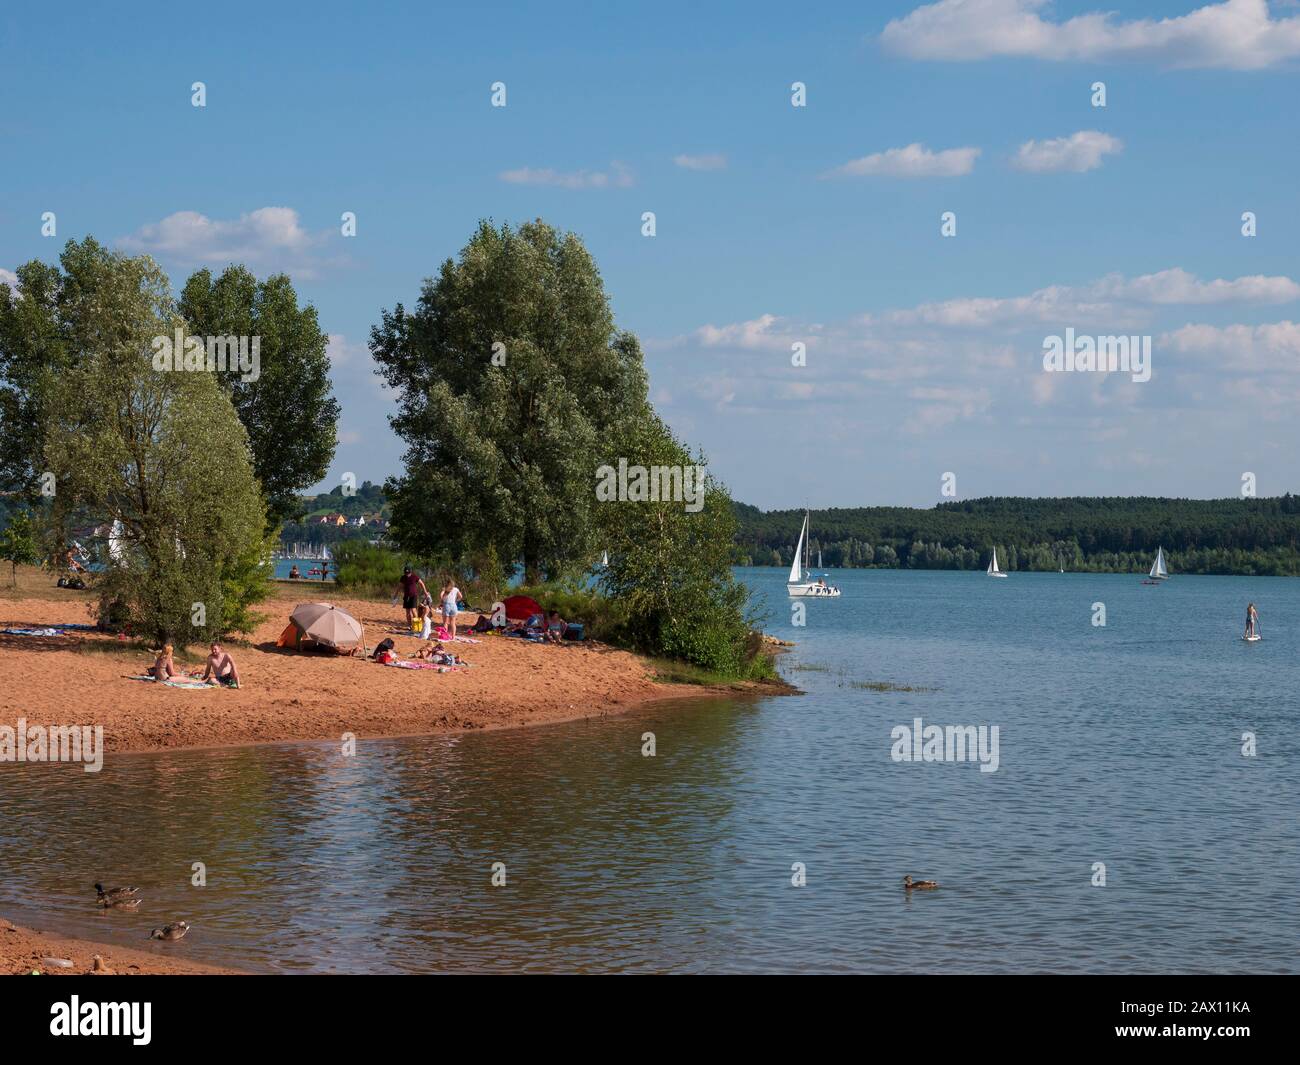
[809, 667]
[671, 671]
[888, 686]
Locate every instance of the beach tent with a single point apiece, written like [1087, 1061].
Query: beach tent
[520, 607]
[322, 624]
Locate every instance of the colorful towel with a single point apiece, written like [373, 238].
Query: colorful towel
[427, 665]
[34, 632]
[175, 682]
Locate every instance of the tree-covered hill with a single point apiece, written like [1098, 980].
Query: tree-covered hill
[1099, 534]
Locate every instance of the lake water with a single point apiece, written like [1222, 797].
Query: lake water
[1119, 744]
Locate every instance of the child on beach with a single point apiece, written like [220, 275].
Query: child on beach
[426, 621]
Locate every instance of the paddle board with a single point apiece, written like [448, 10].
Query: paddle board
[1252, 639]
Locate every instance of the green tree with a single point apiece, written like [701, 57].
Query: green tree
[288, 409]
[670, 565]
[39, 341]
[18, 543]
[501, 450]
[160, 455]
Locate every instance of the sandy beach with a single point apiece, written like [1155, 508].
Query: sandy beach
[82, 678]
[24, 951]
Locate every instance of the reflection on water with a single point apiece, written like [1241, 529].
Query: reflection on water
[1119, 745]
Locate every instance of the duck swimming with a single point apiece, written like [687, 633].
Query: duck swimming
[925, 885]
[119, 904]
[114, 894]
[170, 931]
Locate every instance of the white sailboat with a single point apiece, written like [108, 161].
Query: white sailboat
[993, 570]
[1158, 572]
[800, 581]
[604, 559]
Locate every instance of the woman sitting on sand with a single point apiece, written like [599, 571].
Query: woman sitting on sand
[163, 666]
[556, 627]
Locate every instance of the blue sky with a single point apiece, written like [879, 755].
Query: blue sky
[775, 224]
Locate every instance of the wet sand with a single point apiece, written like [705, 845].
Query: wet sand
[23, 950]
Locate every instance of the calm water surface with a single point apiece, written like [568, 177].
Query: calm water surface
[1119, 745]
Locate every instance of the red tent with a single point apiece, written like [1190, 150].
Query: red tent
[520, 607]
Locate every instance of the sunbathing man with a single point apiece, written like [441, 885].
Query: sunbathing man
[221, 668]
[163, 666]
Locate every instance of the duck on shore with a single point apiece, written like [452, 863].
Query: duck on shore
[925, 885]
[116, 894]
[170, 931]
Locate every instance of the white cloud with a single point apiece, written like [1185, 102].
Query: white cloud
[339, 349]
[1076, 153]
[1177, 286]
[618, 176]
[270, 238]
[915, 160]
[1235, 35]
[716, 161]
[8, 277]
[1119, 300]
[1272, 347]
[759, 334]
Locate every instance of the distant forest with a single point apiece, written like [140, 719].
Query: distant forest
[1252, 537]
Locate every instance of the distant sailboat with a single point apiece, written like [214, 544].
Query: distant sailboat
[800, 582]
[604, 559]
[1158, 572]
[993, 570]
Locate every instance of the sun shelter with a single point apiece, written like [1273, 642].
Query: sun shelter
[520, 607]
[323, 625]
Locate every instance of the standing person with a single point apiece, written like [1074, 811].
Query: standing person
[411, 585]
[1252, 620]
[450, 606]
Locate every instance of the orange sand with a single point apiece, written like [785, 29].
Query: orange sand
[305, 696]
[22, 951]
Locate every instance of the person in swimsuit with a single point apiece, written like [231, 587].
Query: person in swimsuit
[294, 575]
[411, 585]
[221, 668]
[163, 666]
[1252, 620]
[556, 626]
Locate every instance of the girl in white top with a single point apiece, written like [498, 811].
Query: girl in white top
[450, 599]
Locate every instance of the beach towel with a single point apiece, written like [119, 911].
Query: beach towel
[175, 682]
[426, 665]
[34, 632]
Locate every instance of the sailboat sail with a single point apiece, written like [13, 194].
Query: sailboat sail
[1158, 571]
[796, 571]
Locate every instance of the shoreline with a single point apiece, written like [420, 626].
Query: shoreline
[287, 697]
[22, 950]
